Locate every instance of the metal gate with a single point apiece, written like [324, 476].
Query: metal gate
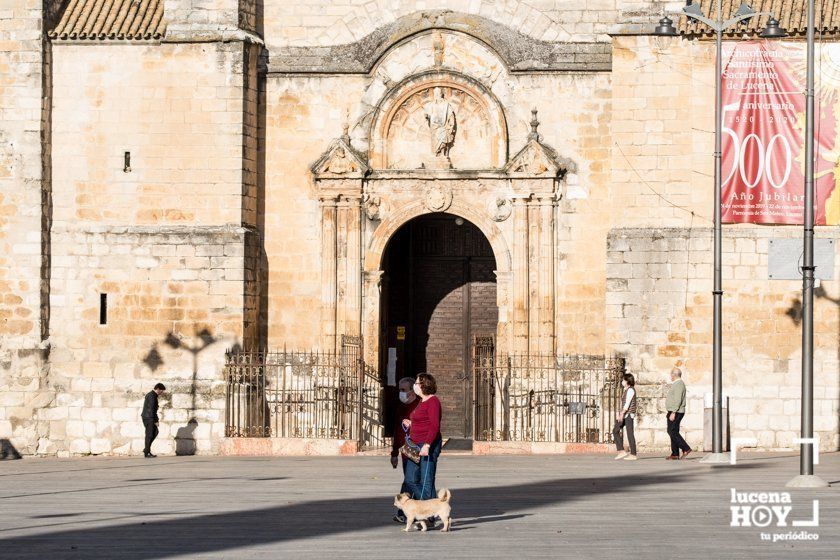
[292, 394]
[527, 397]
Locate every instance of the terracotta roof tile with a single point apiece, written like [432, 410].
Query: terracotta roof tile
[111, 19]
[790, 13]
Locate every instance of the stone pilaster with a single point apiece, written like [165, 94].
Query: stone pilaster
[547, 299]
[520, 275]
[328, 275]
[372, 290]
[534, 274]
[350, 294]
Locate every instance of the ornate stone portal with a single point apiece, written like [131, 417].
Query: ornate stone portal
[440, 145]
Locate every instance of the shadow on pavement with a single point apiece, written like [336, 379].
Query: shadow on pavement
[139, 482]
[225, 531]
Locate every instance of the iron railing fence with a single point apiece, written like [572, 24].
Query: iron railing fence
[292, 394]
[335, 395]
[545, 398]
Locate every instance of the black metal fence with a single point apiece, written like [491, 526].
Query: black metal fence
[303, 395]
[544, 398]
[335, 395]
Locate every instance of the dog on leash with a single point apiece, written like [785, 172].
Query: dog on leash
[421, 510]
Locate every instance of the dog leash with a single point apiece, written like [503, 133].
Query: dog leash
[425, 473]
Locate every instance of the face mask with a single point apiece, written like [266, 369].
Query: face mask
[417, 391]
[624, 384]
[404, 396]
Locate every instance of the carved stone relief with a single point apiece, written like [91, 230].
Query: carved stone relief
[339, 163]
[443, 122]
[500, 209]
[438, 198]
[372, 206]
[531, 161]
[441, 127]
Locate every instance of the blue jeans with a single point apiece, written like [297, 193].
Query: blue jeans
[420, 478]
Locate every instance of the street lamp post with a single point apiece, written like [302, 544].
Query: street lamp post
[718, 25]
[806, 478]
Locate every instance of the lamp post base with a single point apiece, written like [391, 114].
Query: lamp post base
[716, 458]
[807, 481]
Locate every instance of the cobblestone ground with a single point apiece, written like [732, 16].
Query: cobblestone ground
[503, 507]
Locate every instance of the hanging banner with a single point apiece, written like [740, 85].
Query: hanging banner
[763, 118]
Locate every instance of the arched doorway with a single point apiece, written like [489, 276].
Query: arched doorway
[438, 293]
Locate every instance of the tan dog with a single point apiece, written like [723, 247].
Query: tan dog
[421, 510]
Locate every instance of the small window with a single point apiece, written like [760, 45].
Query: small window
[103, 309]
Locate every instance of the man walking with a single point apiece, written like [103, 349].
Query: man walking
[675, 405]
[150, 418]
[408, 402]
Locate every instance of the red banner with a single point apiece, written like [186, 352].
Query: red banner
[763, 118]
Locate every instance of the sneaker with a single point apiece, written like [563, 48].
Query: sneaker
[631, 458]
[149, 455]
[621, 455]
[400, 517]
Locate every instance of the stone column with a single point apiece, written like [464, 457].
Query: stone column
[342, 211]
[534, 275]
[353, 262]
[328, 274]
[371, 316]
[504, 332]
[348, 266]
[546, 284]
[520, 275]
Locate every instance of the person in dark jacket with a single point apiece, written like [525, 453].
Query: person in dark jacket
[150, 418]
[408, 402]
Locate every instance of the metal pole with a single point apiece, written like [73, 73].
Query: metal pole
[717, 292]
[806, 476]
[806, 456]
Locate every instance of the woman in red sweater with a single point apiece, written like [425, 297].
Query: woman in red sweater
[424, 431]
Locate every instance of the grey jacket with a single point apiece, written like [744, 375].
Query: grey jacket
[675, 401]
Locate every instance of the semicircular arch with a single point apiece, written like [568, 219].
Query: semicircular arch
[391, 224]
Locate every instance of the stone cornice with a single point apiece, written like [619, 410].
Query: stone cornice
[520, 52]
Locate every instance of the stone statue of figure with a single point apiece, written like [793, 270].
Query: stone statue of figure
[441, 119]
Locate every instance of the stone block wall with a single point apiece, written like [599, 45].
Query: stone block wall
[659, 314]
[24, 206]
[177, 108]
[163, 240]
[662, 133]
[176, 299]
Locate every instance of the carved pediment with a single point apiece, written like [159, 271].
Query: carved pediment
[537, 159]
[340, 160]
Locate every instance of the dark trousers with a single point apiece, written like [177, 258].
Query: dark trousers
[404, 488]
[420, 478]
[151, 433]
[627, 423]
[677, 442]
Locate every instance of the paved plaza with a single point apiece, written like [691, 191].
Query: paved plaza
[318, 507]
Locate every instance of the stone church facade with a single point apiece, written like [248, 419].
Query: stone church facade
[180, 177]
